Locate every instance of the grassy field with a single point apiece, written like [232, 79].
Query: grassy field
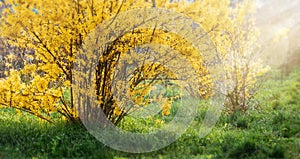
[271, 131]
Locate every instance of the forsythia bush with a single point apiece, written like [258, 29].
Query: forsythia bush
[56, 30]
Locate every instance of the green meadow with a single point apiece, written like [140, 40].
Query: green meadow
[272, 130]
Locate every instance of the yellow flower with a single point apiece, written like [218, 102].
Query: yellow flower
[159, 121]
[40, 83]
[117, 111]
[166, 108]
[10, 56]
[28, 69]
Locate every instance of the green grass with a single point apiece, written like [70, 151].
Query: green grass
[272, 131]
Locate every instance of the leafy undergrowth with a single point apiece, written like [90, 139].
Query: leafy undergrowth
[272, 131]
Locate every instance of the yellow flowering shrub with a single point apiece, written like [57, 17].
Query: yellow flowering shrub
[55, 31]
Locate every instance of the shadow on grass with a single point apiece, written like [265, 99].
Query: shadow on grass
[25, 137]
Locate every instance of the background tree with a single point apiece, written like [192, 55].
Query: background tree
[242, 62]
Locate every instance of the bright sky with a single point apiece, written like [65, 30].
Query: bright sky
[275, 17]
